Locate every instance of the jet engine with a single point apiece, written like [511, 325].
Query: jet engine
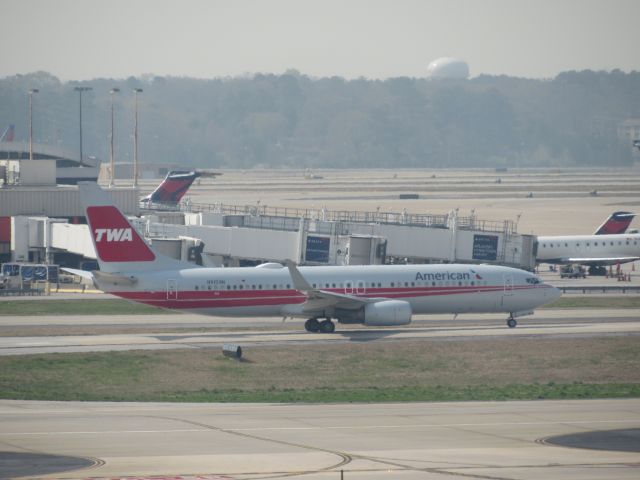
[380, 314]
[387, 313]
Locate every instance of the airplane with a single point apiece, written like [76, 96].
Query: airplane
[174, 187]
[594, 251]
[375, 295]
[609, 245]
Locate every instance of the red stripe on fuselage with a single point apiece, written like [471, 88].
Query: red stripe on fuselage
[191, 299]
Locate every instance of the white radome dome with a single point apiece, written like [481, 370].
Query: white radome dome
[447, 67]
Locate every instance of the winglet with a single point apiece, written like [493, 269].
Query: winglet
[299, 282]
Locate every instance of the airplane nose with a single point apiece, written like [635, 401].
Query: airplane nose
[555, 293]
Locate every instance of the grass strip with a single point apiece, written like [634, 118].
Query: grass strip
[600, 302]
[494, 369]
[111, 306]
[437, 393]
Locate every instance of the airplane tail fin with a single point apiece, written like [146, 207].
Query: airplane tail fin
[617, 223]
[119, 247]
[172, 188]
[8, 134]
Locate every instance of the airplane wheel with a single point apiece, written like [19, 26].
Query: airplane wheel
[327, 326]
[312, 325]
[511, 322]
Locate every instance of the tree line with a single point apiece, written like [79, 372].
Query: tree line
[292, 120]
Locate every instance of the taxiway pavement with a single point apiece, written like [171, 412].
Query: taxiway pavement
[543, 323]
[487, 440]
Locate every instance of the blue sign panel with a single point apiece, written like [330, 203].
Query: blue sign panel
[53, 273]
[485, 247]
[317, 249]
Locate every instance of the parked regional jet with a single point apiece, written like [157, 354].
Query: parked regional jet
[371, 295]
[609, 245]
[594, 251]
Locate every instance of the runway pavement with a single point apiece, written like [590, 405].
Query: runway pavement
[482, 440]
[543, 323]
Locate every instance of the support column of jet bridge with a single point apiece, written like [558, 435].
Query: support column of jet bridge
[453, 229]
[302, 230]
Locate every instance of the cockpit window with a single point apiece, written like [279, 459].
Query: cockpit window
[533, 280]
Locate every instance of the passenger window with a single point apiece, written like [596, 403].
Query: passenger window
[392, 284]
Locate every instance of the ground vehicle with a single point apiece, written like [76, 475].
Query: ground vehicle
[572, 271]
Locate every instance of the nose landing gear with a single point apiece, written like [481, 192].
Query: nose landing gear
[511, 322]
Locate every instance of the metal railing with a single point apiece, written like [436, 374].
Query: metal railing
[352, 216]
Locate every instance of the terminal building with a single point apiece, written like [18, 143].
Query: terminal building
[51, 230]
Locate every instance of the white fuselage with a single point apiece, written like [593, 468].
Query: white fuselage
[596, 249]
[270, 291]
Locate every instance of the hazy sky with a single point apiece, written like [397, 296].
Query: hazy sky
[84, 39]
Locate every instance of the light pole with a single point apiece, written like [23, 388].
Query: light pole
[135, 141]
[113, 91]
[31, 92]
[80, 90]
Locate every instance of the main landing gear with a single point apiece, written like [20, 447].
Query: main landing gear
[325, 326]
[511, 322]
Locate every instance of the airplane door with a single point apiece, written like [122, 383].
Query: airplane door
[507, 293]
[361, 287]
[172, 289]
[508, 285]
[348, 287]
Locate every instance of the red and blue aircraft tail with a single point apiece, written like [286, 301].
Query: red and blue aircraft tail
[172, 188]
[8, 134]
[617, 223]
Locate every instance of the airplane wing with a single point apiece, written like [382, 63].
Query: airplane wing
[318, 299]
[594, 261]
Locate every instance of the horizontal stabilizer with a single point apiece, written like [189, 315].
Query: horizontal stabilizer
[80, 273]
[113, 279]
